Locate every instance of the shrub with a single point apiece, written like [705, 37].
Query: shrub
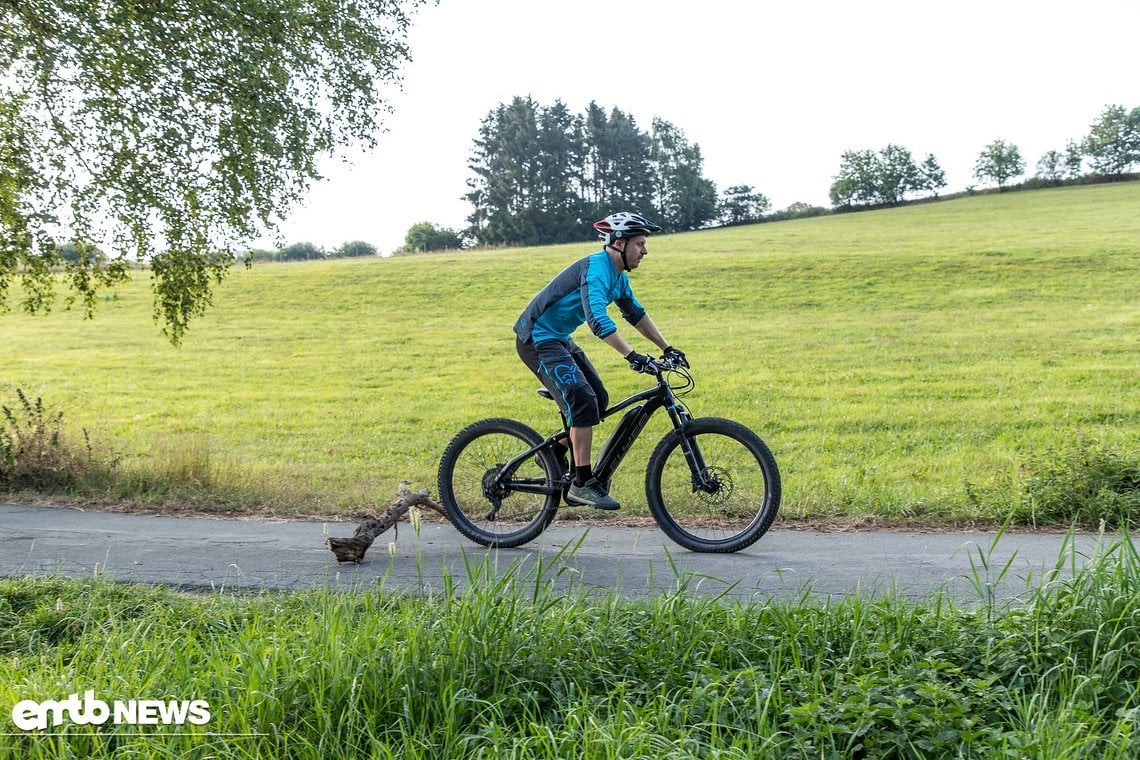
[1084, 484]
[34, 452]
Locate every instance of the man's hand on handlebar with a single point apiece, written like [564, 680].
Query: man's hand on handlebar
[642, 363]
[676, 357]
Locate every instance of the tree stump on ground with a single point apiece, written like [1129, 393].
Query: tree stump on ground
[352, 549]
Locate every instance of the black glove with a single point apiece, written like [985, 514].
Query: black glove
[676, 356]
[641, 363]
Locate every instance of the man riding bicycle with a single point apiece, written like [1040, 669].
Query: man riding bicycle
[580, 295]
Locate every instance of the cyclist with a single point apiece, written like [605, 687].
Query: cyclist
[579, 295]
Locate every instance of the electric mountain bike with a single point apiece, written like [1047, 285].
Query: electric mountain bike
[712, 485]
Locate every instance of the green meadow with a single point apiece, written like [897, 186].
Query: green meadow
[968, 360]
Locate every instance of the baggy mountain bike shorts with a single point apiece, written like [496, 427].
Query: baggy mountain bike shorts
[569, 376]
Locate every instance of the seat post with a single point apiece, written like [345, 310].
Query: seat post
[545, 393]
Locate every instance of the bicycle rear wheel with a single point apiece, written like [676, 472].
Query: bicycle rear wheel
[486, 502]
[742, 492]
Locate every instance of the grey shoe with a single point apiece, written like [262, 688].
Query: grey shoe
[591, 494]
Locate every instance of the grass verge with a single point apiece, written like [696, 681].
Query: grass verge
[510, 669]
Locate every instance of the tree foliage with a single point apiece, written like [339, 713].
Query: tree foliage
[541, 174]
[355, 249]
[886, 177]
[1000, 161]
[1074, 159]
[1113, 142]
[304, 251]
[170, 132]
[426, 236]
[933, 175]
[686, 199]
[741, 204]
[621, 163]
[506, 191]
[1051, 166]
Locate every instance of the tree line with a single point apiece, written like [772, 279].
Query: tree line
[891, 175]
[543, 174]
[310, 251]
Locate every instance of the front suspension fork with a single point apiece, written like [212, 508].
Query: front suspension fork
[702, 480]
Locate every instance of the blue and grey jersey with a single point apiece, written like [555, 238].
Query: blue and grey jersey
[579, 294]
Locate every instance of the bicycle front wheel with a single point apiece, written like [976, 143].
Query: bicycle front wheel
[488, 500]
[729, 505]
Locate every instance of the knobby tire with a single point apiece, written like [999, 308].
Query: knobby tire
[746, 499]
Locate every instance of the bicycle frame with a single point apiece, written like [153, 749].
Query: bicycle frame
[621, 440]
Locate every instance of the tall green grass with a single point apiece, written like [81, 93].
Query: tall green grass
[510, 668]
[928, 362]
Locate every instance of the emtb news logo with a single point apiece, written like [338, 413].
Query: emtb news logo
[30, 715]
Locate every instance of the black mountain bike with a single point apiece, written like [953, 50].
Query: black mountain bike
[712, 484]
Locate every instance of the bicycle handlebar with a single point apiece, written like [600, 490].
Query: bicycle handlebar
[663, 364]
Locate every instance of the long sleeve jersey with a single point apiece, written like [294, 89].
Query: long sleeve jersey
[579, 294]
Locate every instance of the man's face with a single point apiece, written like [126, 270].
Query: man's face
[635, 250]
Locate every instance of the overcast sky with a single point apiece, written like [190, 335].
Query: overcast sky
[772, 92]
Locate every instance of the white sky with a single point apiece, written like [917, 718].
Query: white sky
[772, 92]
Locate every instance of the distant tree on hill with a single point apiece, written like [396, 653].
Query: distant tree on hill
[799, 208]
[740, 204]
[898, 174]
[541, 174]
[1074, 159]
[886, 177]
[685, 198]
[425, 236]
[623, 154]
[354, 249]
[506, 157]
[1051, 166]
[560, 153]
[933, 176]
[855, 182]
[300, 252]
[1113, 142]
[1000, 161]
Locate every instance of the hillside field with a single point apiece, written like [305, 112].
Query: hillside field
[919, 363]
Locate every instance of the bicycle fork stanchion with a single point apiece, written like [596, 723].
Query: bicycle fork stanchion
[692, 452]
[698, 468]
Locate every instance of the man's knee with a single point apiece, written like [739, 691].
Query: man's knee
[603, 399]
[584, 411]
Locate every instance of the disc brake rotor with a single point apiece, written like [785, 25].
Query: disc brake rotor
[719, 490]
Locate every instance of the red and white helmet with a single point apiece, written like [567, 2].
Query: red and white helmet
[624, 225]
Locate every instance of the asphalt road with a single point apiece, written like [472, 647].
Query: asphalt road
[248, 556]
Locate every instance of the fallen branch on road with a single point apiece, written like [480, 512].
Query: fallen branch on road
[353, 549]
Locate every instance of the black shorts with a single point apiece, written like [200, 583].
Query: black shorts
[570, 377]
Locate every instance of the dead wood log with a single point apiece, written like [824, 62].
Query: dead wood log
[352, 549]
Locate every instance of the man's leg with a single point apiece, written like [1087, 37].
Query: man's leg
[566, 368]
[582, 442]
[582, 437]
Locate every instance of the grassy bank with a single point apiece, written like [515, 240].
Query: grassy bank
[960, 360]
[509, 669]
